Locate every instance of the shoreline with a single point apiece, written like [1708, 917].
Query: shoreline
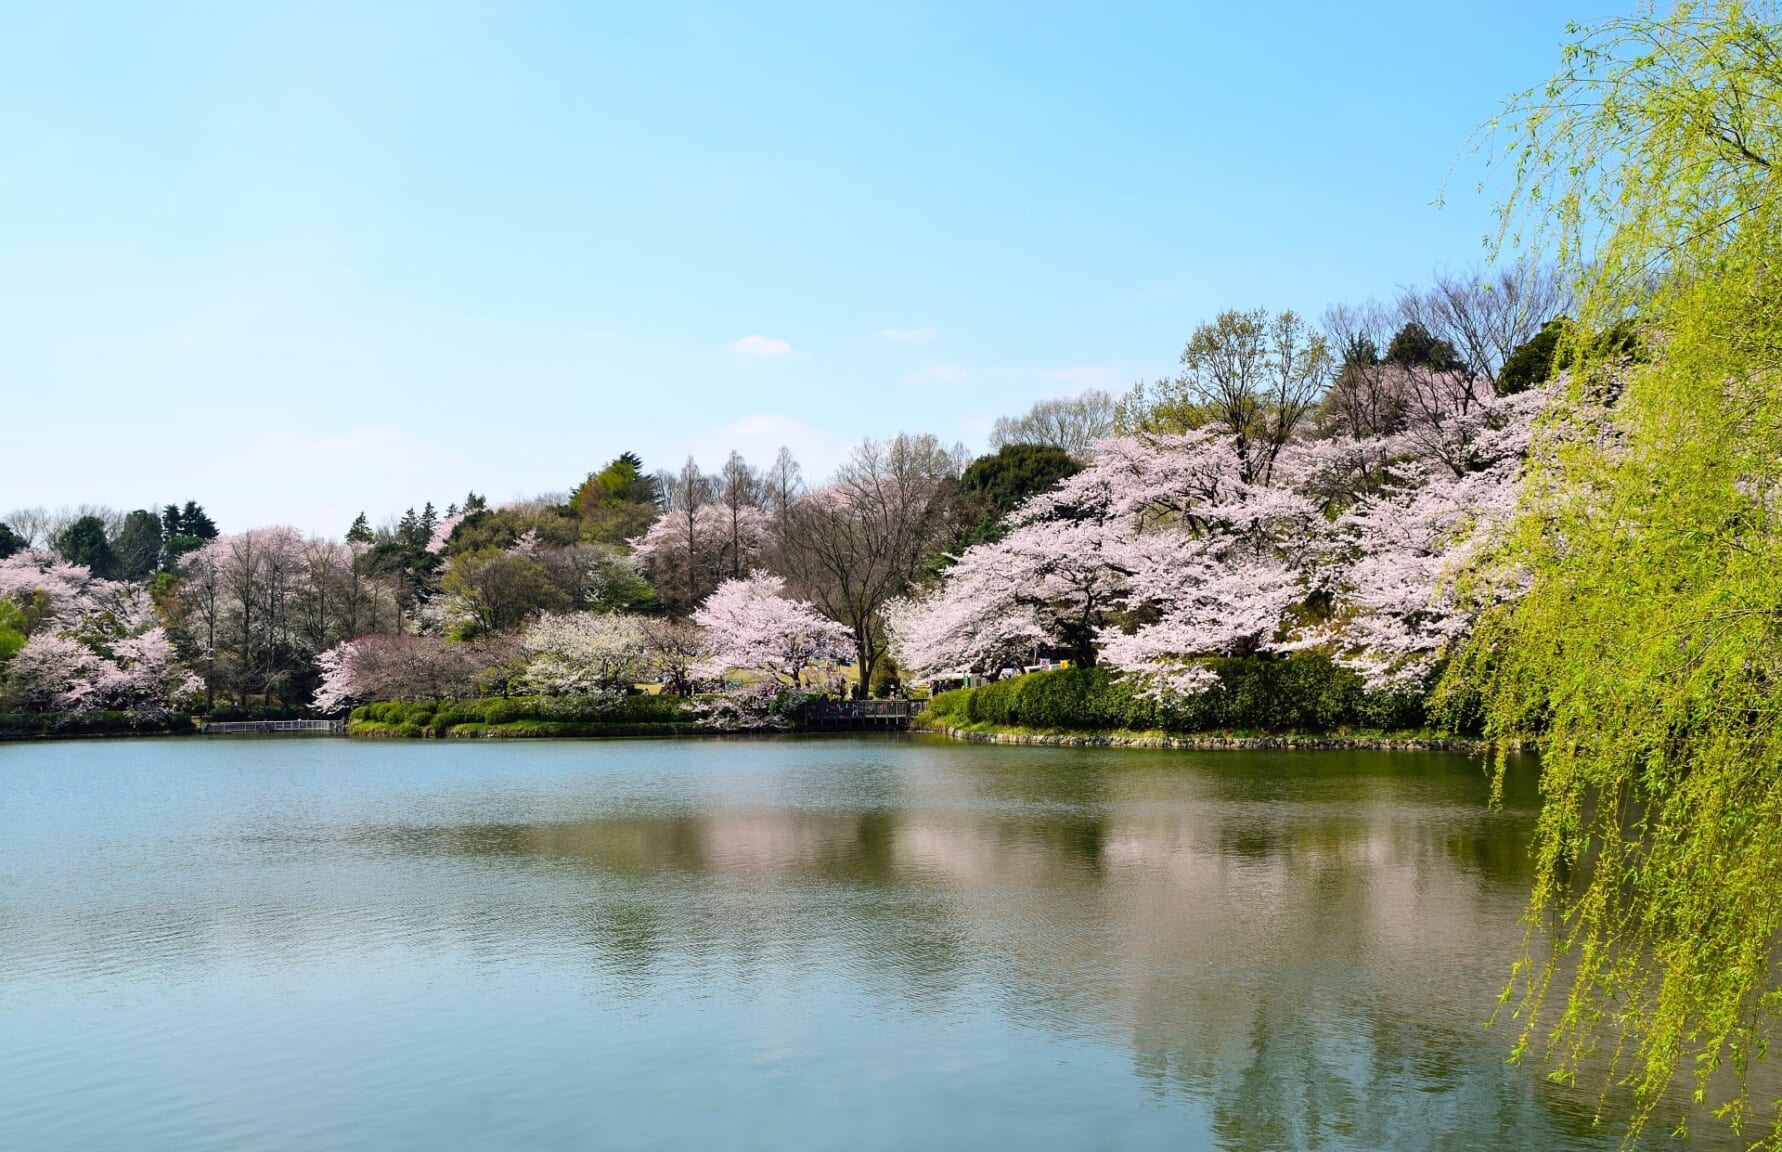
[1286, 741]
[1381, 742]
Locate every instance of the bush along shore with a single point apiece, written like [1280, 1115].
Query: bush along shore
[1301, 702]
[54, 725]
[531, 716]
[1305, 701]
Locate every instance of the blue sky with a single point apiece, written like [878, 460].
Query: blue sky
[298, 260]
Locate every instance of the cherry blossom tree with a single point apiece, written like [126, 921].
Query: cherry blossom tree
[687, 553]
[749, 707]
[1167, 549]
[750, 624]
[57, 672]
[1212, 598]
[1049, 583]
[145, 675]
[1418, 559]
[55, 593]
[1158, 552]
[678, 551]
[401, 667]
[443, 530]
[93, 643]
[584, 654]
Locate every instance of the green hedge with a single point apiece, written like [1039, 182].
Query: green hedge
[33, 725]
[1300, 694]
[951, 705]
[533, 713]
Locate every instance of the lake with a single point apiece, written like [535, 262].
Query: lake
[792, 943]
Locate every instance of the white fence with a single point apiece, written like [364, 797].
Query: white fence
[248, 727]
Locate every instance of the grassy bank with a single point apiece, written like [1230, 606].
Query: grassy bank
[538, 716]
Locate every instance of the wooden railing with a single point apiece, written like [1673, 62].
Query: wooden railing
[248, 727]
[861, 713]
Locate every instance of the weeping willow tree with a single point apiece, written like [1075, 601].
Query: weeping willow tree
[1646, 659]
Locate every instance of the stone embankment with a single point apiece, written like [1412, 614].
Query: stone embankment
[1212, 740]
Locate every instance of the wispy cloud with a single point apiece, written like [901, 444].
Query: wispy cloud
[763, 347]
[907, 335]
[938, 374]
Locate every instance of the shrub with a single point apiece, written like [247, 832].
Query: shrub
[1304, 693]
[1070, 698]
[35, 724]
[650, 710]
[951, 705]
[553, 713]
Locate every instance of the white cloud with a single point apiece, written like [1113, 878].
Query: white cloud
[907, 335]
[937, 374]
[764, 347]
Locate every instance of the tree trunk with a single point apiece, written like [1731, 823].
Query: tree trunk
[865, 659]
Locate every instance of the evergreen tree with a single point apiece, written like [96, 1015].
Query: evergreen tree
[193, 522]
[407, 529]
[1414, 347]
[994, 485]
[183, 530]
[10, 542]
[360, 532]
[618, 502]
[138, 546]
[84, 542]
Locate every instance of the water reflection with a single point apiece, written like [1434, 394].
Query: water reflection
[1301, 950]
[1287, 950]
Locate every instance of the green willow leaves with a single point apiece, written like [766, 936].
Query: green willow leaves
[1647, 656]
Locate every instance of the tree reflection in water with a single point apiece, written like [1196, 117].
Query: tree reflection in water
[1293, 950]
[1309, 943]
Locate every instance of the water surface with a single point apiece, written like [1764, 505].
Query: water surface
[775, 944]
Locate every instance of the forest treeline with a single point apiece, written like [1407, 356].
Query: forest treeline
[1274, 466]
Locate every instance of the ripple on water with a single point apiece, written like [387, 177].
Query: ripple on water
[757, 944]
